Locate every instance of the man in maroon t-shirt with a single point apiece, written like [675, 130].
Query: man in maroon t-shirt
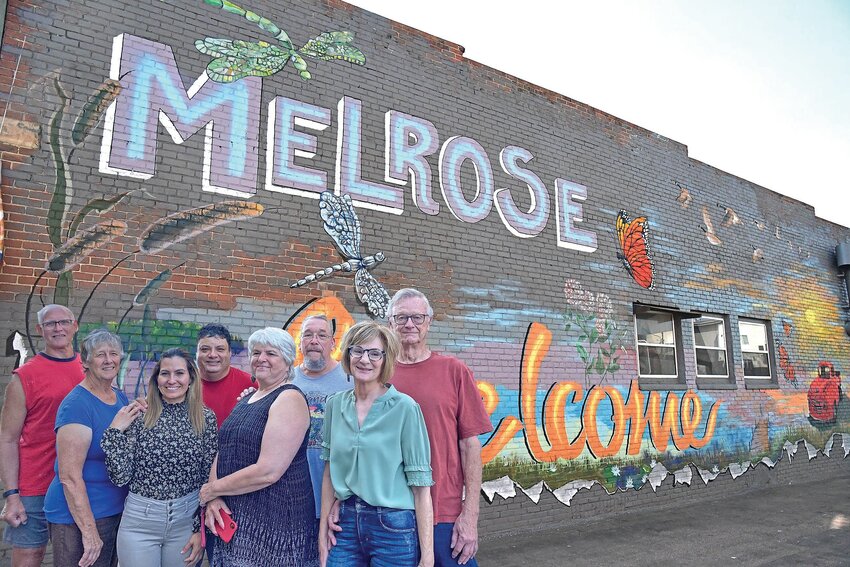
[454, 413]
[27, 440]
[220, 382]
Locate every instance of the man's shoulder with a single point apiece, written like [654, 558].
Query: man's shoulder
[335, 376]
[239, 374]
[41, 360]
[437, 364]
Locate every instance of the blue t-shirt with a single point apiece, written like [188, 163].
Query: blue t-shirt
[82, 407]
[317, 391]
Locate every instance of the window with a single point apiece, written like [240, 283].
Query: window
[756, 346]
[658, 333]
[710, 347]
[656, 339]
[711, 353]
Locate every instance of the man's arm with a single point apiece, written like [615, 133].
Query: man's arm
[465, 533]
[11, 424]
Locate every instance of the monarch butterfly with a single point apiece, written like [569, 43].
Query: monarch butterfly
[634, 249]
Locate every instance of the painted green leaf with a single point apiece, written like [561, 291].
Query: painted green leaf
[613, 367]
[62, 293]
[62, 191]
[582, 353]
[594, 334]
[600, 366]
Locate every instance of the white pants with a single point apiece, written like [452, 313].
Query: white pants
[153, 532]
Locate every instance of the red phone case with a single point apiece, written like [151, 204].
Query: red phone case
[226, 532]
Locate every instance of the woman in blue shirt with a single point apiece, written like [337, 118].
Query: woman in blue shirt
[83, 508]
[378, 462]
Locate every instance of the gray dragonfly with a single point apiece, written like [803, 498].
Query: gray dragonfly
[342, 225]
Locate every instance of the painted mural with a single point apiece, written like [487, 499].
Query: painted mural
[549, 330]
[343, 226]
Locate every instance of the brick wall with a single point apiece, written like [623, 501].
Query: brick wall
[508, 222]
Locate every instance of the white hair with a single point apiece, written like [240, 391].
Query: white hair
[408, 293]
[279, 340]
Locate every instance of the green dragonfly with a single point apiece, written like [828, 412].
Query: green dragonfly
[236, 59]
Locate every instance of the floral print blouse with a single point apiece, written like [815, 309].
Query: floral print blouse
[165, 462]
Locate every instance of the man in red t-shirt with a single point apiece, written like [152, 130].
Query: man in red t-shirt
[221, 383]
[445, 389]
[27, 439]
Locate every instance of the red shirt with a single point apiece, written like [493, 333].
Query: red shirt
[220, 396]
[445, 389]
[46, 381]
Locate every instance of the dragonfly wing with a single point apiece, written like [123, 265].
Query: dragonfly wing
[236, 59]
[334, 45]
[371, 293]
[341, 223]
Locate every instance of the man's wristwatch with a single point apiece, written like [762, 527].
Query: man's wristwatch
[9, 493]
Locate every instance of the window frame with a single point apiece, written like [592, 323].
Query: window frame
[658, 382]
[771, 381]
[716, 382]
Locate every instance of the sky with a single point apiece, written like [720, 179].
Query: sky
[757, 88]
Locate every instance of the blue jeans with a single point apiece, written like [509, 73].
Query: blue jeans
[33, 534]
[443, 547]
[373, 536]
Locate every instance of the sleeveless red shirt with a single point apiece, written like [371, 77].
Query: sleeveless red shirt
[46, 381]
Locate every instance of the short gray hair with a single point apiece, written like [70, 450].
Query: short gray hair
[279, 340]
[42, 313]
[97, 339]
[408, 293]
[321, 317]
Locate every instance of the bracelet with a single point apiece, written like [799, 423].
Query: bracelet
[9, 493]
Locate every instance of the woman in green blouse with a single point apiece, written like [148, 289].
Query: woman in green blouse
[378, 462]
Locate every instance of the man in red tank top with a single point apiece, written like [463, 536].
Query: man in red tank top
[27, 439]
[221, 383]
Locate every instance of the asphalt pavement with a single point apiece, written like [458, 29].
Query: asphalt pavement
[801, 523]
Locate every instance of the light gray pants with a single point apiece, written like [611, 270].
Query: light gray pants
[153, 532]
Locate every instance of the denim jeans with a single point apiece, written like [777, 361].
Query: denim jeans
[443, 547]
[373, 536]
[33, 534]
[153, 532]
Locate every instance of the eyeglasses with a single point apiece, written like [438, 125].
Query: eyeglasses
[60, 322]
[374, 354]
[310, 336]
[417, 319]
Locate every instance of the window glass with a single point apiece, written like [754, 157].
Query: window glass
[656, 338]
[655, 329]
[710, 347]
[754, 349]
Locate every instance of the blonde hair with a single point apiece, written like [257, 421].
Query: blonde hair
[194, 396]
[364, 332]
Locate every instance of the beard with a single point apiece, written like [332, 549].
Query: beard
[314, 365]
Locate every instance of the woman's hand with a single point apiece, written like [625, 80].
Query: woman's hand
[207, 493]
[128, 415]
[246, 392]
[193, 546]
[92, 544]
[213, 514]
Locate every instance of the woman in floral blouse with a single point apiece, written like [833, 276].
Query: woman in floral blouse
[165, 457]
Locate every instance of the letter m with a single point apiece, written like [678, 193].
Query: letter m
[153, 92]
